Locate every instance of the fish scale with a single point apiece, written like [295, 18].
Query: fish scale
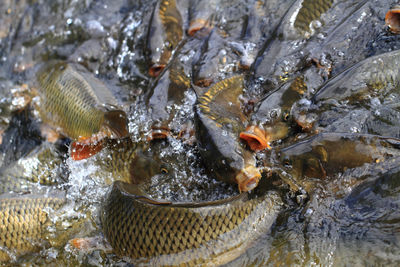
[310, 11]
[22, 222]
[142, 230]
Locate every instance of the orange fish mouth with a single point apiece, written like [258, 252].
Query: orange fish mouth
[392, 19]
[156, 69]
[79, 151]
[248, 178]
[255, 137]
[204, 82]
[197, 25]
[159, 133]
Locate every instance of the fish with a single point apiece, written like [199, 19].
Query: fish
[326, 155]
[201, 13]
[168, 92]
[375, 76]
[218, 122]
[42, 166]
[160, 232]
[79, 106]
[272, 117]
[164, 35]
[24, 219]
[217, 58]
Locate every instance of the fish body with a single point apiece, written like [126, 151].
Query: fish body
[168, 92]
[164, 35]
[376, 75]
[218, 122]
[165, 233]
[327, 154]
[217, 58]
[23, 220]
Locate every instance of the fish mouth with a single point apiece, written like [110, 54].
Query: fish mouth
[156, 69]
[206, 82]
[159, 133]
[248, 178]
[197, 25]
[255, 137]
[392, 19]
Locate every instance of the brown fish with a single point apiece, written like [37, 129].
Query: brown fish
[218, 122]
[164, 35]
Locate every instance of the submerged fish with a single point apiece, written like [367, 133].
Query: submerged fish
[328, 154]
[218, 122]
[41, 166]
[164, 35]
[79, 106]
[24, 219]
[164, 233]
[374, 76]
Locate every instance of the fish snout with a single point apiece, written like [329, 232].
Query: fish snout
[248, 178]
[156, 69]
[255, 137]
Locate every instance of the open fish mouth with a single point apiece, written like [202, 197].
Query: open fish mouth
[159, 133]
[248, 178]
[255, 138]
[392, 19]
[156, 69]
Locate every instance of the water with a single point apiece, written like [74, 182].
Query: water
[340, 224]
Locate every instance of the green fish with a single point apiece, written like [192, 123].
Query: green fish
[78, 105]
[164, 233]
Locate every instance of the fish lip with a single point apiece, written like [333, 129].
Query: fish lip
[392, 19]
[248, 178]
[206, 82]
[156, 69]
[197, 25]
[255, 137]
[159, 133]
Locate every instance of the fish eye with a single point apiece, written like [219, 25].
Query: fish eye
[164, 170]
[169, 46]
[273, 114]
[286, 116]
[286, 162]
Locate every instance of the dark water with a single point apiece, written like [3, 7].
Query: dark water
[341, 224]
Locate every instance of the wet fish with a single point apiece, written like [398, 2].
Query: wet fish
[164, 233]
[218, 122]
[303, 13]
[79, 106]
[272, 117]
[24, 219]
[164, 35]
[392, 19]
[164, 96]
[374, 76]
[201, 13]
[327, 154]
[41, 166]
[217, 59]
